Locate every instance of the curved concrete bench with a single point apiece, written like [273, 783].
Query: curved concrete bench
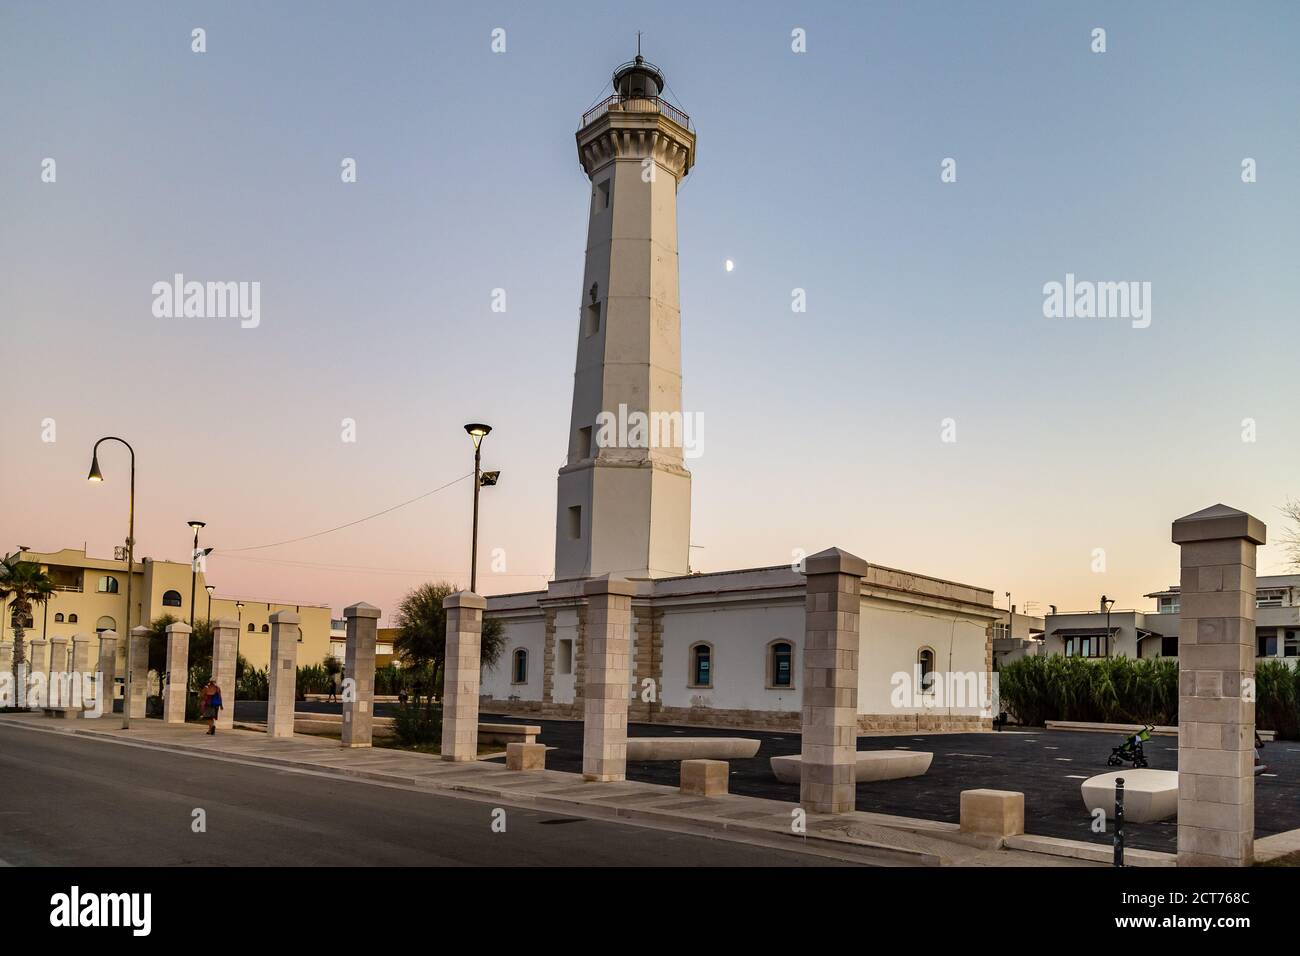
[691, 748]
[1149, 795]
[871, 765]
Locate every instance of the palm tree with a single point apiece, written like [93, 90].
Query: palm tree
[28, 585]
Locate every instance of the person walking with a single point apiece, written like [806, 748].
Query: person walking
[336, 686]
[211, 705]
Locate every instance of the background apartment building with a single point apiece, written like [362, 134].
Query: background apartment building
[1155, 633]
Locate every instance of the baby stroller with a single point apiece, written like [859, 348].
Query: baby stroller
[1130, 751]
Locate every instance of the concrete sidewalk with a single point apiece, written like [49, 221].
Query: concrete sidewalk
[869, 838]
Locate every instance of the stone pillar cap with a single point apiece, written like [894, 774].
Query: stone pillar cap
[361, 609]
[834, 561]
[59, 639]
[464, 599]
[179, 627]
[139, 631]
[1217, 523]
[285, 617]
[109, 635]
[80, 638]
[226, 622]
[609, 584]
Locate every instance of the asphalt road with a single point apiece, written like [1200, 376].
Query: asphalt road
[78, 802]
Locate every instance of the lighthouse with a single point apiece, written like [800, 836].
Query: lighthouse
[623, 497]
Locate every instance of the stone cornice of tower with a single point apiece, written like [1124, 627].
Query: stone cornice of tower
[636, 135]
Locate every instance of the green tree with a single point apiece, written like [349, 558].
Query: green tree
[200, 653]
[422, 632]
[28, 585]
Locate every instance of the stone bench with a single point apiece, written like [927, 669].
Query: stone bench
[62, 713]
[508, 733]
[705, 778]
[691, 748]
[870, 765]
[1149, 795]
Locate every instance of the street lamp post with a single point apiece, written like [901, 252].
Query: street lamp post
[194, 566]
[209, 588]
[97, 476]
[478, 432]
[239, 636]
[1106, 605]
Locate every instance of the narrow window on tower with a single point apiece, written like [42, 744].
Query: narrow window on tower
[602, 195]
[584, 442]
[591, 320]
[575, 522]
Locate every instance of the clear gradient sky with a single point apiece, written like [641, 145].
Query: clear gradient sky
[817, 170]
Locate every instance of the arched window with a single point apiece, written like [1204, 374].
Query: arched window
[108, 584]
[701, 665]
[519, 673]
[251, 627]
[172, 599]
[266, 628]
[58, 618]
[780, 664]
[105, 623]
[72, 619]
[925, 670]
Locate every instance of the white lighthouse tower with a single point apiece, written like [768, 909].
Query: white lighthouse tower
[624, 504]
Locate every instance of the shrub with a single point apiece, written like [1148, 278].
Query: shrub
[418, 723]
[313, 679]
[253, 684]
[1121, 690]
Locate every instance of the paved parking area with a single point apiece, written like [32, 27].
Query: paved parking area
[1047, 766]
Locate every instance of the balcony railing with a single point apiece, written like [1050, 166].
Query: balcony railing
[636, 104]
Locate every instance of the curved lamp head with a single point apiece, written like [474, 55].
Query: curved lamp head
[209, 588]
[196, 525]
[95, 473]
[478, 431]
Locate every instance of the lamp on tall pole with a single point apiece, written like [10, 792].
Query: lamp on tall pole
[239, 636]
[1106, 605]
[194, 566]
[97, 476]
[209, 588]
[477, 431]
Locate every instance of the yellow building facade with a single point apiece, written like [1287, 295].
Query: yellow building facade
[90, 597]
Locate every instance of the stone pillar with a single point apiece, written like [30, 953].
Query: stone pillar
[10, 697]
[38, 673]
[359, 674]
[460, 683]
[138, 675]
[80, 674]
[284, 673]
[225, 640]
[58, 668]
[1216, 687]
[608, 673]
[830, 681]
[178, 672]
[106, 673]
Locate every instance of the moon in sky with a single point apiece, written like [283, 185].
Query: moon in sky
[730, 265]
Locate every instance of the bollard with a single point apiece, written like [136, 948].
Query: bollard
[1119, 821]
